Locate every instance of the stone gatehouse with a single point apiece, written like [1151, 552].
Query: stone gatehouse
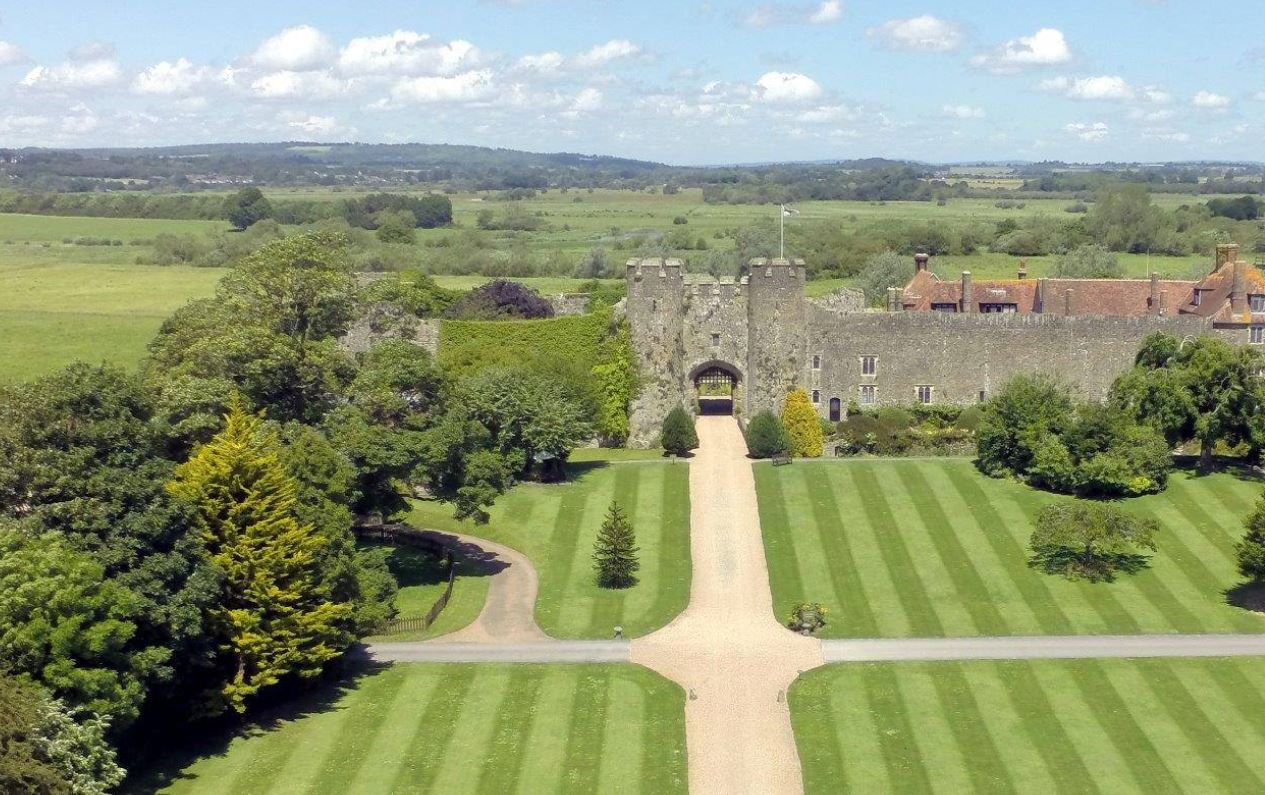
[770, 338]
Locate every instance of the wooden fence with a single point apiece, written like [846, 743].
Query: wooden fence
[411, 536]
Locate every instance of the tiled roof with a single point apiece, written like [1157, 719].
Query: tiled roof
[1215, 293]
[1112, 297]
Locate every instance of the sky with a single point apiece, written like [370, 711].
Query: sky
[675, 81]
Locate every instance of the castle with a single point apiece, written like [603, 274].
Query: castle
[937, 342]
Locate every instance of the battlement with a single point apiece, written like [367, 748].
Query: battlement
[778, 269]
[653, 267]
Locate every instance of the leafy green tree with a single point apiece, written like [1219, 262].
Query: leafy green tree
[396, 227]
[76, 745]
[882, 271]
[766, 437]
[1088, 262]
[1203, 390]
[461, 465]
[23, 766]
[246, 207]
[593, 265]
[68, 627]
[270, 332]
[1016, 421]
[1091, 541]
[800, 420]
[274, 618]
[678, 436]
[1250, 551]
[1123, 219]
[82, 456]
[615, 551]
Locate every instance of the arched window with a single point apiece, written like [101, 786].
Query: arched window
[816, 396]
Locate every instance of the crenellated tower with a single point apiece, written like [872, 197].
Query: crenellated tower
[776, 330]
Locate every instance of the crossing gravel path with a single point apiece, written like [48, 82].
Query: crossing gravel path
[1047, 647]
[727, 650]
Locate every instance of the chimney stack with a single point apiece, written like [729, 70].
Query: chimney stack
[1226, 253]
[968, 305]
[893, 299]
[920, 261]
[1023, 269]
[1238, 286]
[1044, 294]
[1067, 302]
[1157, 301]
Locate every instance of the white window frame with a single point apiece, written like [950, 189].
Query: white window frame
[1256, 302]
[1256, 335]
[931, 391]
[867, 389]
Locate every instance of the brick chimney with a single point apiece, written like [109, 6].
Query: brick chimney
[1067, 302]
[1023, 269]
[1045, 298]
[893, 299]
[968, 304]
[920, 261]
[1157, 300]
[1238, 286]
[1226, 253]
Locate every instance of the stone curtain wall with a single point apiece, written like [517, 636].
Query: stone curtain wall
[961, 355]
[655, 307]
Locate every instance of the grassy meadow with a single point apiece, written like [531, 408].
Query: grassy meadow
[1079, 726]
[555, 526]
[415, 728]
[422, 579]
[932, 548]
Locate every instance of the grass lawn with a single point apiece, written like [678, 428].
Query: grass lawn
[555, 526]
[1083, 726]
[422, 578]
[414, 728]
[928, 548]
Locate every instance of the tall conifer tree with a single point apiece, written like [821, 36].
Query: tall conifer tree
[274, 617]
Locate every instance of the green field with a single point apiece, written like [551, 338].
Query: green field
[415, 728]
[929, 548]
[1085, 726]
[555, 525]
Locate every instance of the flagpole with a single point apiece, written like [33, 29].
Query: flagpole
[781, 241]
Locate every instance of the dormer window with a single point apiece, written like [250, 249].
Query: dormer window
[1257, 302]
[1196, 299]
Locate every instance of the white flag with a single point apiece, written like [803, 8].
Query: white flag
[787, 212]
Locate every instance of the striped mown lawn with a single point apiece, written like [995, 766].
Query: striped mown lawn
[555, 525]
[1081, 726]
[421, 728]
[920, 548]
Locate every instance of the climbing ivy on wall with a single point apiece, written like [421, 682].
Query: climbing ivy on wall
[592, 346]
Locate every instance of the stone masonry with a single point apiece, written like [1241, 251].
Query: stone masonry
[771, 338]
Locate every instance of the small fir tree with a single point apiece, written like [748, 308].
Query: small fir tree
[1251, 550]
[802, 426]
[274, 618]
[615, 551]
[679, 436]
[766, 437]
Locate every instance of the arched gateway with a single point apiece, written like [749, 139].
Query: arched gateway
[716, 387]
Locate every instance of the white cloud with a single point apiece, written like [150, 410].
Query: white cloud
[297, 49]
[545, 62]
[79, 121]
[587, 100]
[170, 78]
[827, 113]
[786, 87]
[1104, 87]
[1210, 101]
[1155, 95]
[1259, 96]
[298, 85]
[963, 112]
[465, 87]
[602, 54]
[918, 34]
[406, 52]
[1088, 132]
[827, 13]
[10, 54]
[770, 14]
[1046, 47]
[315, 125]
[80, 72]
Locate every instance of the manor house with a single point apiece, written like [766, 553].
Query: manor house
[937, 341]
